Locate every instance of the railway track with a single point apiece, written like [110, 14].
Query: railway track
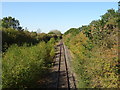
[63, 77]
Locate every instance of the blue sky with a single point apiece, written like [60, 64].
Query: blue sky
[55, 15]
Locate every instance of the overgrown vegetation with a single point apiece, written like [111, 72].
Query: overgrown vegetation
[11, 36]
[23, 66]
[27, 56]
[57, 32]
[13, 33]
[95, 50]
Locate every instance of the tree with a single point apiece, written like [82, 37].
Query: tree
[57, 32]
[111, 13]
[74, 31]
[9, 22]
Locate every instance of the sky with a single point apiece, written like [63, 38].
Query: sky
[62, 16]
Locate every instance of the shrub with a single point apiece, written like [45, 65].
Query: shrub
[22, 66]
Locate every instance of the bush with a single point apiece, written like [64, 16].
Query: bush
[96, 67]
[22, 66]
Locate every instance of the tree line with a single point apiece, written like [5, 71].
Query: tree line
[13, 33]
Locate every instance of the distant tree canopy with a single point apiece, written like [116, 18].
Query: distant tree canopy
[73, 31]
[57, 32]
[10, 22]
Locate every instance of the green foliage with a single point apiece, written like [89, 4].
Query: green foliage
[51, 44]
[9, 22]
[95, 52]
[52, 53]
[52, 41]
[12, 33]
[23, 66]
[23, 63]
[12, 36]
[74, 31]
[51, 33]
[56, 32]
